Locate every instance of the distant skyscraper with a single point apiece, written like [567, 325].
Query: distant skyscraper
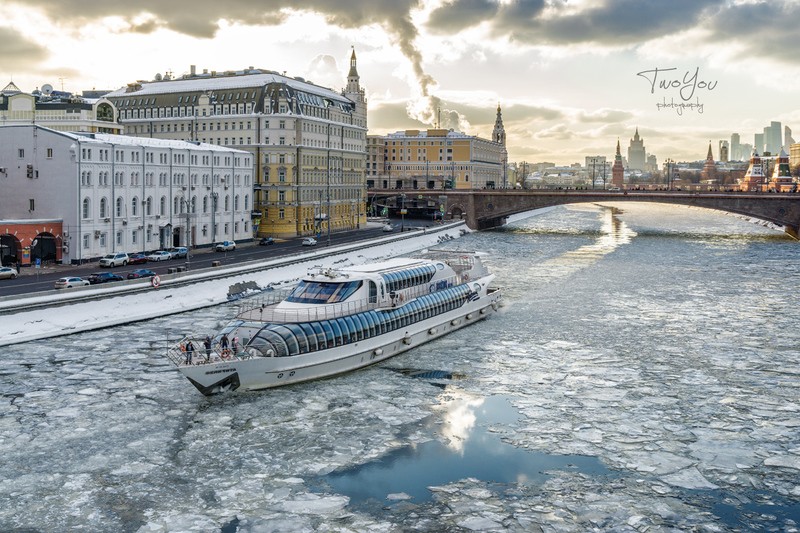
[774, 138]
[637, 155]
[758, 143]
[723, 151]
[788, 140]
[736, 149]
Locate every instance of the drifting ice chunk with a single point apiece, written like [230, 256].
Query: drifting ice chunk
[689, 478]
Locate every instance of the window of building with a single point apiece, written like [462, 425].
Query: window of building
[85, 241]
[49, 153]
[21, 153]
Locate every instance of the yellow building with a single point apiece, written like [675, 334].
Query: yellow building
[437, 159]
[308, 142]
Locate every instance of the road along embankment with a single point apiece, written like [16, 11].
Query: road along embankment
[52, 314]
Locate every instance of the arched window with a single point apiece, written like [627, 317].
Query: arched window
[103, 207]
[134, 206]
[205, 204]
[227, 202]
[236, 203]
[246, 202]
[119, 207]
[175, 205]
[86, 208]
[163, 206]
[149, 209]
[194, 204]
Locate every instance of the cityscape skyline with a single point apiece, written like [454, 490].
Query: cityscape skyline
[571, 77]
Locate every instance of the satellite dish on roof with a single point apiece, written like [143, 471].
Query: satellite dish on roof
[47, 89]
[158, 77]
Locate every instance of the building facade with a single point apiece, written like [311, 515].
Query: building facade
[94, 194]
[57, 110]
[308, 143]
[435, 159]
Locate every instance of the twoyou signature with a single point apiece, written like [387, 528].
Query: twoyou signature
[688, 88]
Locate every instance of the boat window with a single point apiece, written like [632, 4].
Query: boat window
[354, 336]
[299, 334]
[373, 293]
[273, 339]
[315, 292]
[345, 329]
[337, 332]
[310, 335]
[330, 335]
[288, 336]
[371, 324]
[363, 329]
[322, 341]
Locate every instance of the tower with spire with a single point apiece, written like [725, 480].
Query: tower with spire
[709, 171]
[618, 171]
[755, 177]
[782, 180]
[355, 92]
[499, 131]
[637, 155]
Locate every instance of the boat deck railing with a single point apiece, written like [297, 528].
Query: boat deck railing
[200, 356]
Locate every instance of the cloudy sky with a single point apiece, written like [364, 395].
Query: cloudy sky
[571, 76]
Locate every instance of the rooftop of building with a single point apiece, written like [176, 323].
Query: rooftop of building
[124, 140]
[218, 81]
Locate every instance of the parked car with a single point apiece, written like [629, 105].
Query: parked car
[141, 273]
[103, 277]
[309, 241]
[179, 253]
[113, 260]
[69, 282]
[8, 273]
[160, 255]
[266, 241]
[388, 228]
[225, 246]
[136, 259]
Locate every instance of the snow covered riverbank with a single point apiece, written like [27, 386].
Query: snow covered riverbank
[87, 315]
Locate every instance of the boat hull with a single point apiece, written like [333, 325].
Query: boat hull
[259, 373]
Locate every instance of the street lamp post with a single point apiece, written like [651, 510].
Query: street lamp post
[403, 212]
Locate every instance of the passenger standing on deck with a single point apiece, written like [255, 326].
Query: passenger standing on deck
[223, 344]
[189, 352]
[235, 345]
[207, 344]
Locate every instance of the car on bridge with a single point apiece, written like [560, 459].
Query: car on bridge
[137, 259]
[309, 241]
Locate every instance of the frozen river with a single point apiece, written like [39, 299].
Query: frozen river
[643, 375]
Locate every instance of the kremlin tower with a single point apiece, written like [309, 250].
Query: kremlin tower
[782, 180]
[709, 172]
[753, 180]
[618, 171]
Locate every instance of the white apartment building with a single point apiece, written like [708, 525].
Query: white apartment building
[102, 193]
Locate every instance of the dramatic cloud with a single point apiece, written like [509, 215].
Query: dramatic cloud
[605, 115]
[453, 17]
[18, 52]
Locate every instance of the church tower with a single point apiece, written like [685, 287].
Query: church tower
[499, 131]
[352, 76]
[618, 171]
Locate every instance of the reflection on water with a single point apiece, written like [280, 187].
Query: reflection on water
[471, 449]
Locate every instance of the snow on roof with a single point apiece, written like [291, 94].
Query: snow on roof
[219, 83]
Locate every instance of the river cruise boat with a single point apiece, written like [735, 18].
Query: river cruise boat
[335, 321]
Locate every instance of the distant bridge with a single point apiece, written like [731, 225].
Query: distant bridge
[490, 208]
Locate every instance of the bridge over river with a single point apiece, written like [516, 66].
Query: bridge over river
[489, 208]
